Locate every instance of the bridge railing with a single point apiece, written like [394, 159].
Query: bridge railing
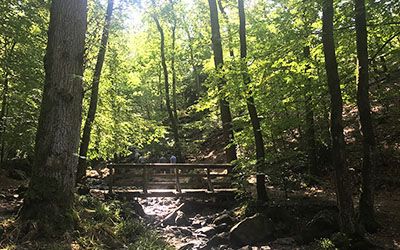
[176, 167]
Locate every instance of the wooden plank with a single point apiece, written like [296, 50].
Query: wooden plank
[110, 180]
[197, 193]
[210, 185]
[145, 180]
[170, 165]
[212, 175]
[177, 184]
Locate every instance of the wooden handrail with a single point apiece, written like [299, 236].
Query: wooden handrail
[171, 165]
[176, 166]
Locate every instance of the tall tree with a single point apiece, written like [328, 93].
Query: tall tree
[174, 21]
[82, 163]
[343, 187]
[229, 29]
[255, 121]
[4, 102]
[193, 62]
[173, 122]
[309, 119]
[226, 116]
[49, 199]
[367, 212]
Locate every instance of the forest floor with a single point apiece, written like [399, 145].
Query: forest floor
[201, 214]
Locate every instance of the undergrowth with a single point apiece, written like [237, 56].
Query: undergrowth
[98, 225]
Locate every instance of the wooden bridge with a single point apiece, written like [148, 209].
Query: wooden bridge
[170, 179]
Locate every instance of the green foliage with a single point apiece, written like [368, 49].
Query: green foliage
[22, 43]
[326, 244]
[131, 110]
[101, 225]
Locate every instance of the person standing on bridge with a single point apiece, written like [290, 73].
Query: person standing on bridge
[172, 159]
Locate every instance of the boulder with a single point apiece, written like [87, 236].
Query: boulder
[197, 223]
[181, 219]
[288, 241]
[138, 209]
[187, 246]
[222, 228]
[184, 231]
[83, 189]
[170, 218]
[17, 174]
[255, 248]
[252, 230]
[322, 225]
[208, 230]
[224, 218]
[218, 240]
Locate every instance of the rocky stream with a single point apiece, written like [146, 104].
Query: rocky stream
[210, 224]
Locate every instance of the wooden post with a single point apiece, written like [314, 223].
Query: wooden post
[210, 185]
[177, 184]
[111, 178]
[144, 179]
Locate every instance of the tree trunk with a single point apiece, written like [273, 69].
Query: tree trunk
[255, 122]
[309, 119]
[193, 62]
[49, 199]
[82, 163]
[174, 125]
[343, 187]
[174, 108]
[226, 117]
[4, 102]
[367, 211]
[3, 119]
[225, 16]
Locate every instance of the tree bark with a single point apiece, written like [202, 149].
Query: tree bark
[309, 119]
[4, 102]
[174, 108]
[174, 125]
[49, 199]
[255, 121]
[343, 187]
[367, 211]
[193, 62]
[82, 163]
[226, 116]
[225, 16]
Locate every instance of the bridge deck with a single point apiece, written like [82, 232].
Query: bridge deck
[150, 188]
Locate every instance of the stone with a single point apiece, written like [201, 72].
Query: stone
[170, 218]
[252, 230]
[340, 240]
[187, 246]
[209, 220]
[222, 228]
[255, 248]
[138, 209]
[218, 240]
[197, 223]
[83, 190]
[17, 174]
[288, 241]
[181, 219]
[184, 231]
[208, 230]
[322, 225]
[224, 218]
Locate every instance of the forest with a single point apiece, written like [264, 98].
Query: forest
[205, 124]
